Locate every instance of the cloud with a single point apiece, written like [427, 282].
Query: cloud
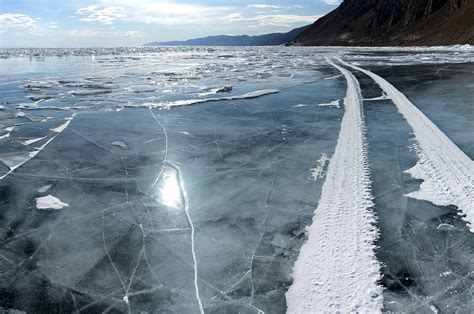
[280, 20]
[106, 15]
[17, 20]
[161, 12]
[332, 2]
[100, 32]
[264, 6]
[272, 6]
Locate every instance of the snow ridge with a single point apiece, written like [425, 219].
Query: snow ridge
[337, 269]
[447, 172]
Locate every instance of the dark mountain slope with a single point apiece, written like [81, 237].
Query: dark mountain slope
[393, 22]
[272, 39]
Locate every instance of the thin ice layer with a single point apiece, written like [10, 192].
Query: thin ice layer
[447, 172]
[337, 269]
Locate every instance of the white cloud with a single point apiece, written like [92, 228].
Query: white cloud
[280, 20]
[264, 6]
[100, 32]
[17, 20]
[167, 12]
[332, 2]
[272, 6]
[106, 15]
[151, 12]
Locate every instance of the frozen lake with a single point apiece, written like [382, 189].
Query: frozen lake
[186, 180]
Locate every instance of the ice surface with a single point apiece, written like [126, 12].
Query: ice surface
[208, 205]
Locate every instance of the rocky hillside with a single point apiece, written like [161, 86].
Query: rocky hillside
[393, 23]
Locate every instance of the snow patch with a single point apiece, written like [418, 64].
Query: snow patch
[44, 188]
[318, 171]
[49, 202]
[34, 140]
[334, 104]
[119, 144]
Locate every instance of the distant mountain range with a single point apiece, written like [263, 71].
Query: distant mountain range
[393, 23]
[273, 39]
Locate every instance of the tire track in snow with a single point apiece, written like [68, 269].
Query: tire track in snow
[337, 269]
[447, 172]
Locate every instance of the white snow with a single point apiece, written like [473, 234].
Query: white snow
[337, 269]
[447, 172]
[119, 144]
[334, 103]
[34, 140]
[44, 188]
[318, 171]
[188, 102]
[5, 135]
[63, 126]
[49, 202]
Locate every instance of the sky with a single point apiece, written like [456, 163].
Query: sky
[110, 23]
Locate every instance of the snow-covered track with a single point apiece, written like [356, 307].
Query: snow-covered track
[447, 172]
[337, 269]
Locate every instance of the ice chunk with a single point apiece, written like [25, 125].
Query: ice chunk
[49, 202]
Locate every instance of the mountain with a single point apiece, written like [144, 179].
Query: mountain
[272, 39]
[393, 23]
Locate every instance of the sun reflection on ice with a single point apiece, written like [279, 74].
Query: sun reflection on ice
[170, 190]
